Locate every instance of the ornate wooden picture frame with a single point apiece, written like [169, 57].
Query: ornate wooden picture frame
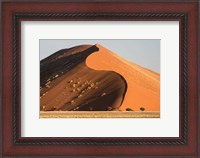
[186, 144]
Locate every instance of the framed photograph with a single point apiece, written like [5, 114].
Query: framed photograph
[88, 80]
[100, 79]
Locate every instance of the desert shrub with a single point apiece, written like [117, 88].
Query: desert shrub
[142, 108]
[129, 109]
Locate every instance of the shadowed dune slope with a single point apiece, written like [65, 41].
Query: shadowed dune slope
[143, 85]
[63, 61]
[68, 84]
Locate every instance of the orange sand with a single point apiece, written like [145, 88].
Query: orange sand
[143, 85]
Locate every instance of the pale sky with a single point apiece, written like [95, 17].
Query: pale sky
[145, 53]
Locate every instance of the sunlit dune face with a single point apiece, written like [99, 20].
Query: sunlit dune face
[143, 85]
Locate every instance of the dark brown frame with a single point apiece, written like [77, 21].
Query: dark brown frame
[185, 145]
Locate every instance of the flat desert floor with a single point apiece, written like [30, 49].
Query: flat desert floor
[110, 114]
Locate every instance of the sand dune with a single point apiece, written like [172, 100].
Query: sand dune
[93, 78]
[143, 85]
[67, 84]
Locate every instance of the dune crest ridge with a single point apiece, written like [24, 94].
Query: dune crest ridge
[143, 85]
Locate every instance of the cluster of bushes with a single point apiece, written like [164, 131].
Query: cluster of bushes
[129, 109]
[141, 109]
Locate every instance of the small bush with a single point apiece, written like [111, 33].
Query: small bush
[142, 108]
[129, 109]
